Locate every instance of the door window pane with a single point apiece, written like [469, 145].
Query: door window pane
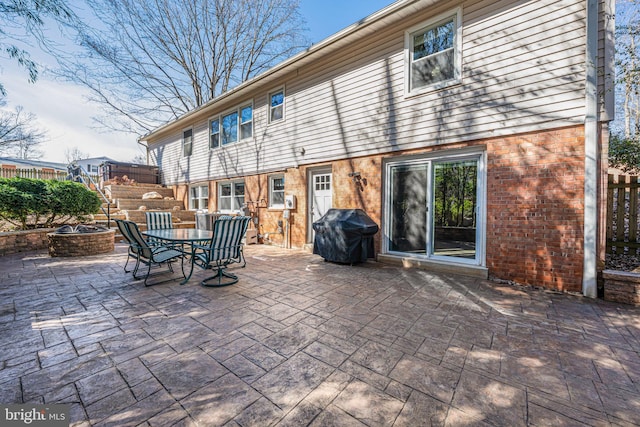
[409, 208]
[454, 206]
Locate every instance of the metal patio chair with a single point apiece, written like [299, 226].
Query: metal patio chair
[224, 249]
[133, 250]
[151, 254]
[158, 221]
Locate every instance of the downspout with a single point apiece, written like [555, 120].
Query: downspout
[139, 141]
[589, 272]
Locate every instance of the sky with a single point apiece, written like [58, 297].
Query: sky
[63, 112]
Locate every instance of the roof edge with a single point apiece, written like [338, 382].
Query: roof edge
[313, 49]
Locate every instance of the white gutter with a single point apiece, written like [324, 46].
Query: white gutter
[589, 272]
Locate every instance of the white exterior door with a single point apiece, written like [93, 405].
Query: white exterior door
[320, 197]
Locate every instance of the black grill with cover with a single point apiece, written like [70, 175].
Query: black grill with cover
[345, 236]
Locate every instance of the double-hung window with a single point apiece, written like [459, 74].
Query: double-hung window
[187, 142]
[276, 191]
[230, 196]
[433, 53]
[199, 197]
[276, 106]
[246, 122]
[214, 133]
[230, 127]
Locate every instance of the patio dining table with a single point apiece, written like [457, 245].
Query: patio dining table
[182, 237]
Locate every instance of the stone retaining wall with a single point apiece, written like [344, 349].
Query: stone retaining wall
[621, 286]
[22, 241]
[80, 244]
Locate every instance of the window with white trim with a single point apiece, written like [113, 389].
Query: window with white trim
[230, 196]
[276, 191]
[187, 142]
[214, 133]
[199, 197]
[434, 53]
[276, 106]
[231, 127]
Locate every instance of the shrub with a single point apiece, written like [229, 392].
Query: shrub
[30, 203]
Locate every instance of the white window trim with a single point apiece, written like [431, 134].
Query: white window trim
[408, 43]
[472, 153]
[238, 110]
[284, 103]
[199, 186]
[232, 183]
[182, 144]
[271, 180]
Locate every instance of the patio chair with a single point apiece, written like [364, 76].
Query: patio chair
[224, 249]
[158, 221]
[151, 254]
[133, 250]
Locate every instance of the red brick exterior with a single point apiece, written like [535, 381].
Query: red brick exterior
[535, 208]
[535, 203]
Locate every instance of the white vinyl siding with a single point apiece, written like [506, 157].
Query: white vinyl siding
[523, 71]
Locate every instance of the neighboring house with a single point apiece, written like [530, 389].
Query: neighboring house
[92, 165]
[473, 132]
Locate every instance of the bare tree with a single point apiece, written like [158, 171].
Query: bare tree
[73, 154]
[628, 65]
[153, 60]
[19, 135]
[23, 20]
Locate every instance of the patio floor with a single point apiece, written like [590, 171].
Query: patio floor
[298, 341]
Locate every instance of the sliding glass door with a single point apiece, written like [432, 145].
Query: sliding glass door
[432, 208]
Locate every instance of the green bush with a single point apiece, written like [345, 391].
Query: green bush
[31, 203]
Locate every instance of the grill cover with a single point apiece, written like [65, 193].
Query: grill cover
[344, 235]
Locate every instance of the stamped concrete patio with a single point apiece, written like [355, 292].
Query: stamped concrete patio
[302, 342]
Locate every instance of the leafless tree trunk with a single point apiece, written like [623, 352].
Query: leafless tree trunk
[628, 65]
[19, 136]
[153, 60]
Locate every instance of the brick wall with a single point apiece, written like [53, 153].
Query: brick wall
[535, 208]
[22, 241]
[535, 198]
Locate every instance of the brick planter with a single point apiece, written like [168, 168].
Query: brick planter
[80, 244]
[621, 286]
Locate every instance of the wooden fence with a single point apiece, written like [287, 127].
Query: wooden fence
[32, 173]
[622, 214]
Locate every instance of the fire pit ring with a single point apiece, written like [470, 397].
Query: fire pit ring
[68, 241]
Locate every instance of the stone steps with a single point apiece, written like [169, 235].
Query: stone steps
[115, 192]
[150, 204]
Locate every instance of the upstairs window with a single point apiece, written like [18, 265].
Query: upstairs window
[231, 127]
[434, 53]
[214, 133]
[246, 122]
[187, 142]
[276, 106]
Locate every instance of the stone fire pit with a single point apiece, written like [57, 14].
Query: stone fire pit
[81, 240]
